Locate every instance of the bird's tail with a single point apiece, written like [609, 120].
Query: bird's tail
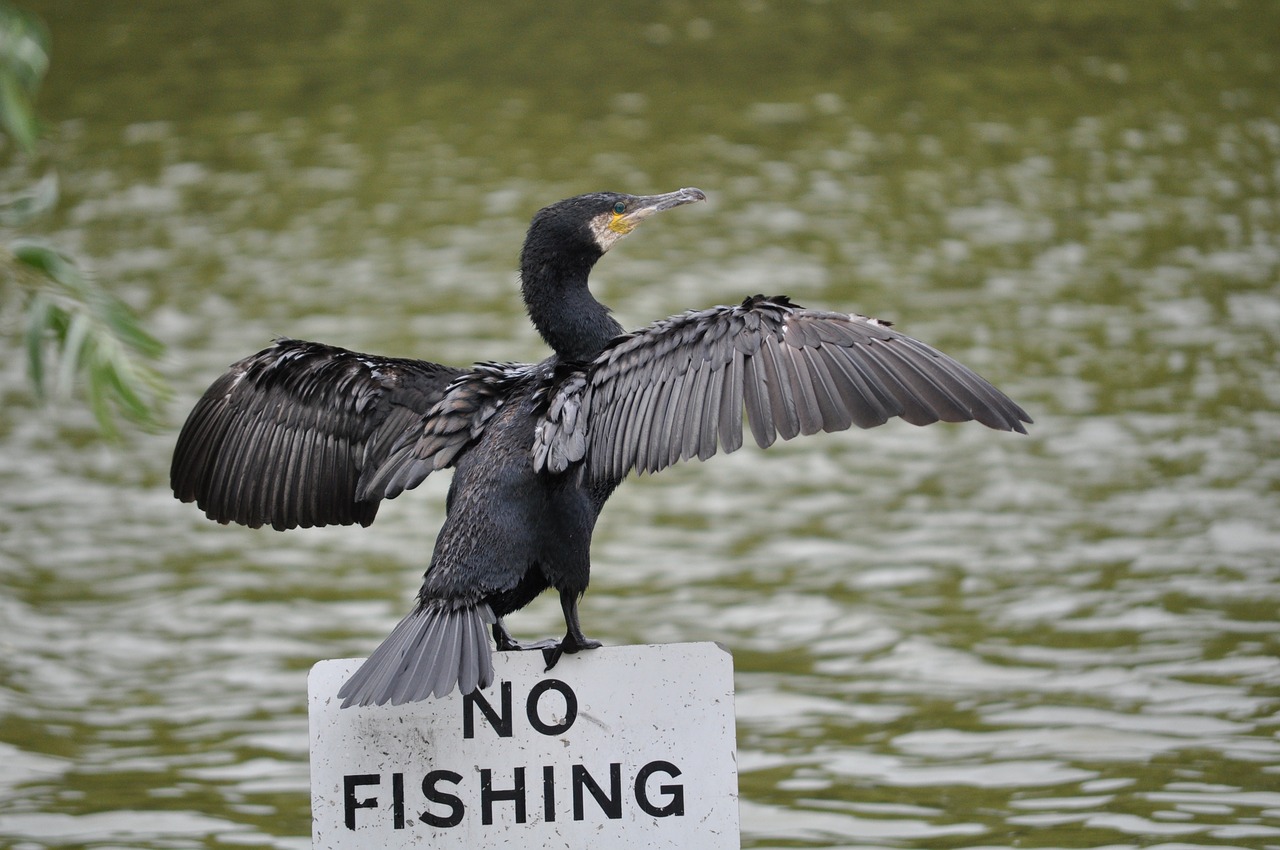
[430, 651]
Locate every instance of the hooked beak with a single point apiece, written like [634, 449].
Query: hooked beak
[648, 205]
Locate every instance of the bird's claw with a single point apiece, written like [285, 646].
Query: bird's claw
[504, 642]
[517, 646]
[569, 646]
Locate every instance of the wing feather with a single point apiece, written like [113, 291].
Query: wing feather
[914, 409]
[731, 401]
[832, 411]
[619, 422]
[703, 443]
[282, 437]
[808, 408]
[778, 387]
[928, 381]
[680, 388]
[639, 441]
[755, 387]
[670, 434]
[695, 402]
[869, 401]
[988, 405]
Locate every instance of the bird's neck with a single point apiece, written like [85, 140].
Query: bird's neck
[564, 311]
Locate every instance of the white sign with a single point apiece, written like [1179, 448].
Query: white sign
[618, 747]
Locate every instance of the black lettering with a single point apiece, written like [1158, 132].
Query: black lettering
[397, 800]
[610, 804]
[570, 706]
[674, 805]
[349, 803]
[501, 723]
[435, 795]
[549, 794]
[488, 796]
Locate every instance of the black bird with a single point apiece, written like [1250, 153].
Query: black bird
[304, 434]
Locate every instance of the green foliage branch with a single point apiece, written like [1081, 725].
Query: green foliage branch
[75, 333]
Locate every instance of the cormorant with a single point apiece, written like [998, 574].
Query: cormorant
[305, 434]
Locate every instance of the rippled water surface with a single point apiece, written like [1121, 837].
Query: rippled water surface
[944, 637]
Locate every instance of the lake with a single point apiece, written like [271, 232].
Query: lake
[944, 637]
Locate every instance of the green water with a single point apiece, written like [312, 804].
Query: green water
[944, 637]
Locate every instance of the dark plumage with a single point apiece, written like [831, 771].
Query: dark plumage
[304, 434]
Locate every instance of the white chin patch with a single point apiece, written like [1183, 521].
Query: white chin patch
[603, 230]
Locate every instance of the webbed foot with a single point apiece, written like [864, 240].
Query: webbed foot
[506, 643]
[574, 640]
[569, 646]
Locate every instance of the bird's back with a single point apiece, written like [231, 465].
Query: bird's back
[506, 518]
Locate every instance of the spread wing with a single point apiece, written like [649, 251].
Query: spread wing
[283, 437]
[677, 389]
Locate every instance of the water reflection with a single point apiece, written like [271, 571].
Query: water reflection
[944, 637]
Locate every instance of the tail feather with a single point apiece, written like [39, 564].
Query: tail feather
[475, 661]
[418, 666]
[429, 652]
[446, 677]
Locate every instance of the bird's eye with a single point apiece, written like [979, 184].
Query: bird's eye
[619, 208]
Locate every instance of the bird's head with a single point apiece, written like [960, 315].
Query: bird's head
[564, 241]
[591, 224]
